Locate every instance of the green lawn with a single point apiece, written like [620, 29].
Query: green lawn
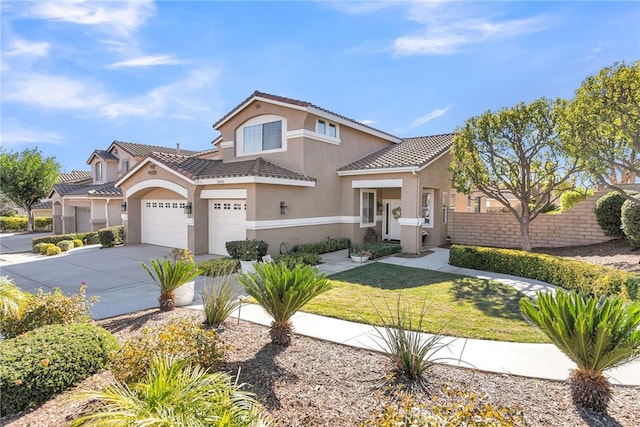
[468, 307]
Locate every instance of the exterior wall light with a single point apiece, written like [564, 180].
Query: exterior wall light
[283, 208]
[188, 208]
[123, 207]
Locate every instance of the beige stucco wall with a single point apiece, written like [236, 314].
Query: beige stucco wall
[574, 227]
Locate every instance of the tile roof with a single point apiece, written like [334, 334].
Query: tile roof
[196, 168]
[298, 103]
[104, 154]
[142, 150]
[88, 190]
[76, 176]
[47, 204]
[411, 152]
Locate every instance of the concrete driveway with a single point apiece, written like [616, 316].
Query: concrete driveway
[112, 274]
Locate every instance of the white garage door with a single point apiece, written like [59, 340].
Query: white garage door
[164, 223]
[227, 220]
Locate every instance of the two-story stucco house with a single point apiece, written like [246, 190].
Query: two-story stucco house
[93, 203]
[289, 172]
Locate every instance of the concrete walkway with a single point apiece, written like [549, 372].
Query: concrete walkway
[529, 360]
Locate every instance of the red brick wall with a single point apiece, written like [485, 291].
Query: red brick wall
[575, 227]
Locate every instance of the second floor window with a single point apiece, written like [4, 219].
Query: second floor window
[262, 137]
[125, 166]
[327, 128]
[99, 171]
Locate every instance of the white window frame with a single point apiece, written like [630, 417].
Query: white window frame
[124, 166]
[428, 221]
[327, 126]
[99, 171]
[445, 208]
[364, 191]
[260, 120]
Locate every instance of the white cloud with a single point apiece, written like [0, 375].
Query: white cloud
[186, 97]
[119, 17]
[14, 134]
[21, 47]
[429, 116]
[450, 26]
[359, 7]
[147, 61]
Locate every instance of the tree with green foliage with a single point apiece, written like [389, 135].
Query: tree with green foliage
[595, 333]
[515, 152]
[26, 178]
[603, 125]
[282, 291]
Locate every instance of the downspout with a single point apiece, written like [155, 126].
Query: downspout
[418, 230]
[106, 212]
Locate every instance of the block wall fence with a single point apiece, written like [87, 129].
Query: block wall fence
[575, 227]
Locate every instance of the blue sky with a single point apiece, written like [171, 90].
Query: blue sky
[77, 75]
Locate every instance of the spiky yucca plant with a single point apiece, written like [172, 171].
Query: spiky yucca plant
[13, 300]
[596, 334]
[218, 300]
[170, 275]
[282, 291]
[174, 394]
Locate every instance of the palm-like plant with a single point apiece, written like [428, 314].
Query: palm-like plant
[596, 334]
[282, 291]
[170, 275]
[218, 300]
[174, 394]
[12, 299]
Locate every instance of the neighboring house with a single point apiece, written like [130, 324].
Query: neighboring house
[90, 204]
[288, 172]
[45, 207]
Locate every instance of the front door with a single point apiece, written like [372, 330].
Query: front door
[390, 224]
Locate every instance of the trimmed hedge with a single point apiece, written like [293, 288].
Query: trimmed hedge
[590, 279]
[218, 267]
[329, 245]
[89, 238]
[111, 236]
[36, 366]
[630, 222]
[247, 250]
[380, 249]
[293, 259]
[20, 223]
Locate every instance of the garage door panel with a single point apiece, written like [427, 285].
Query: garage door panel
[164, 223]
[227, 219]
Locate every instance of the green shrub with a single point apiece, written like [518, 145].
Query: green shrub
[218, 300]
[177, 337]
[13, 223]
[36, 366]
[111, 236]
[44, 247]
[218, 267]
[247, 250]
[65, 245]
[378, 250]
[91, 238]
[42, 223]
[570, 274]
[608, 211]
[329, 245]
[571, 198]
[48, 309]
[54, 239]
[13, 300]
[630, 222]
[77, 243]
[293, 259]
[53, 250]
[37, 248]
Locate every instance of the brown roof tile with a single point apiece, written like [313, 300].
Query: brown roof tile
[298, 103]
[196, 168]
[88, 190]
[411, 152]
[141, 150]
[75, 176]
